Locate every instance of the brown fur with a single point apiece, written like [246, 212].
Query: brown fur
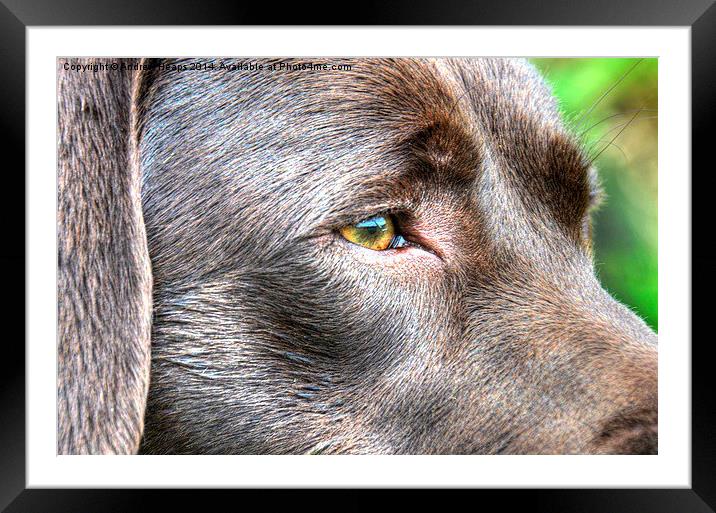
[271, 334]
[104, 275]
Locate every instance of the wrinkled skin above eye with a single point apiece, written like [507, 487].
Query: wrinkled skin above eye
[377, 233]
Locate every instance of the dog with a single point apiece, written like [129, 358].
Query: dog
[368, 256]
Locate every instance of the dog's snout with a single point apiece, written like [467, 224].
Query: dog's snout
[629, 433]
[597, 364]
[633, 428]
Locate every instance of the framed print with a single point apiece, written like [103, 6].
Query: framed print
[389, 256]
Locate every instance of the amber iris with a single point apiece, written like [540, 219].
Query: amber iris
[376, 233]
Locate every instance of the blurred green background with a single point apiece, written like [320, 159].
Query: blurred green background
[625, 225]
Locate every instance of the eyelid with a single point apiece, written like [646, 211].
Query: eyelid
[361, 207]
[359, 218]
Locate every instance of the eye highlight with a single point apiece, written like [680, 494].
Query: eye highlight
[377, 233]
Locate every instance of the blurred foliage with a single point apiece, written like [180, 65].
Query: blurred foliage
[602, 100]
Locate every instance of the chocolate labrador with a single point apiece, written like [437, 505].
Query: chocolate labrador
[362, 256]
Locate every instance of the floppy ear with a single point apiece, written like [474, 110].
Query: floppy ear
[104, 274]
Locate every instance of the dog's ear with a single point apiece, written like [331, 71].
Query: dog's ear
[104, 273]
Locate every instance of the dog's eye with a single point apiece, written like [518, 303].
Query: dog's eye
[377, 233]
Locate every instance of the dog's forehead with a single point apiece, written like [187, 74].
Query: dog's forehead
[332, 136]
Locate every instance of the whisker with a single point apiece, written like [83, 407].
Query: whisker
[624, 127]
[468, 90]
[617, 115]
[617, 127]
[626, 159]
[605, 94]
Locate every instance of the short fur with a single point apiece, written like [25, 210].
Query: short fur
[272, 334]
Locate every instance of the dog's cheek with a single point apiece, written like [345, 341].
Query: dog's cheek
[400, 346]
[224, 381]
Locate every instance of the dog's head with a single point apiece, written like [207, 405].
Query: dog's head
[391, 258]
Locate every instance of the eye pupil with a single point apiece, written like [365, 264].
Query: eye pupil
[373, 225]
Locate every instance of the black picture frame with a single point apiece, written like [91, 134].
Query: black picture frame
[17, 15]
